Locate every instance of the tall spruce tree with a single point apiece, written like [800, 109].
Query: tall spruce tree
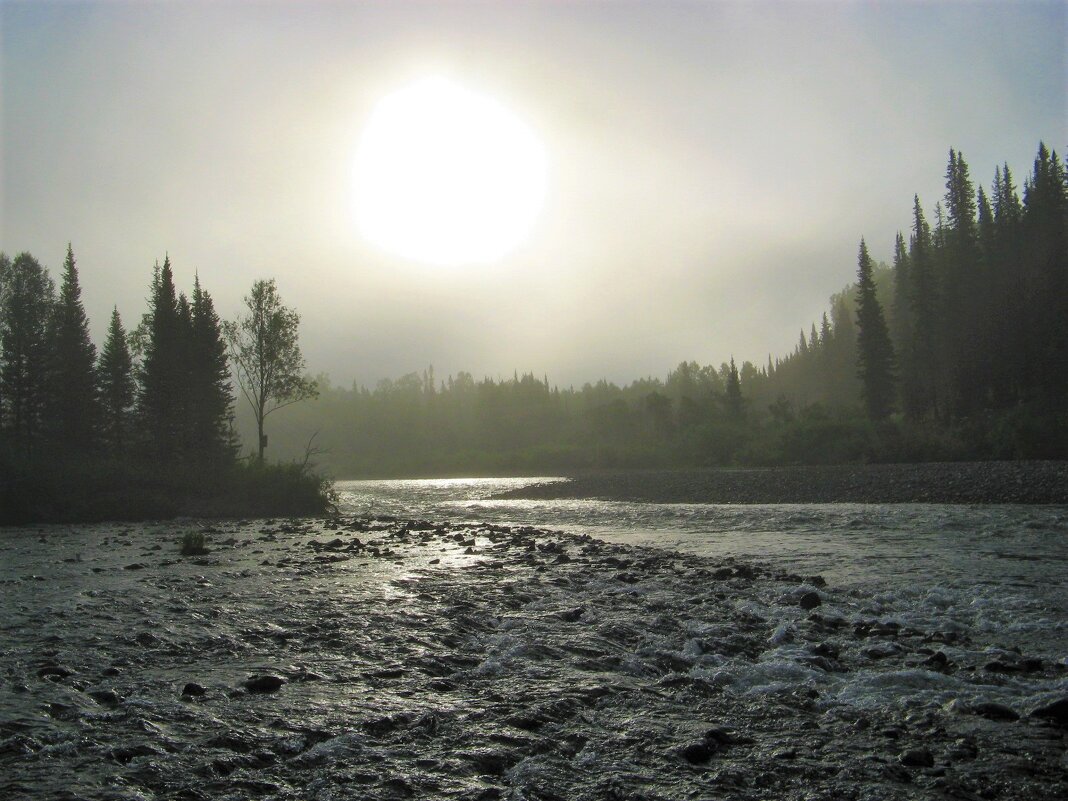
[1045, 225]
[962, 361]
[210, 388]
[116, 387]
[29, 296]
[5, 269]
[72, 408]
[162, 375]
[875, 353]
[921, 397]
[733, 392]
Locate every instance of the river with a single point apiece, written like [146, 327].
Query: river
[506, 654]
[1001, 570]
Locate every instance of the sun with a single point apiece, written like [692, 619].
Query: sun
[444, 175]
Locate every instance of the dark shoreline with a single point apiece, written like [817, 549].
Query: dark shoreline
[1030, 482]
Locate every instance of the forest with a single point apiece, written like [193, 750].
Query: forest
[955, 351]
[145, 427]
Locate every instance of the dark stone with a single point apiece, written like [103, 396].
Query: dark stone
[809, 600]
[105, 697]
[699, 752]
[264, 684]
[1056, 713]
[571, 615]
[723, 737]
[995, 711]
[54, 672]
[194, 689]
[826, 649]
[937, 661]
[917, 758]
[998, 666]
[125, 754]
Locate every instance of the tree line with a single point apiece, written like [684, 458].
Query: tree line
[955, 350]
[148, 420]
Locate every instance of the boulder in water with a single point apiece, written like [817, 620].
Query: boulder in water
[917, 758]
[264, 684]
[1056, 713]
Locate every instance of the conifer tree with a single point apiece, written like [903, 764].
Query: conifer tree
[921, 387]
[902, 332]
[961, 361]
[1007, 208]
[210, 389]
[1045, 224]
[5, 269]
[875, 353]
[162, 376]
[116, 386]
[72, 408]
[733, 393]
[29, 296]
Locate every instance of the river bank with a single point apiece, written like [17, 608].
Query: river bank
[1033, 482]
[379, 658]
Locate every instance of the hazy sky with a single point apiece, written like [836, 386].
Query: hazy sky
[711, 166]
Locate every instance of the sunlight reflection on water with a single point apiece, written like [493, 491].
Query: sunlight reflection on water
[1020, 551]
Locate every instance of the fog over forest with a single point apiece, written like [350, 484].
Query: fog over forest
[710, 166]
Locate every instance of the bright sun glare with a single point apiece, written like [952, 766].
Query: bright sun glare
[444, 175]
[448, 176]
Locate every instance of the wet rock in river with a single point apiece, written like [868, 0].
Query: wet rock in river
[938, 661]
[570, 615]
[810, 600]
[265, 683]
[826, 649]
[995, 711]
[55, 672]
[193, 689]
[1056, 713]
[917, 758]
[105, 697]
[699, 752]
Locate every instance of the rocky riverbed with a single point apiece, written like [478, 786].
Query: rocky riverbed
[931, 482]
[378, 658]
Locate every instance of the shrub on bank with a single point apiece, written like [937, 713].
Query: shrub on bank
[53, 490]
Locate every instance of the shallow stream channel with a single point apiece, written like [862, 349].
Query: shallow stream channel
[431, 642]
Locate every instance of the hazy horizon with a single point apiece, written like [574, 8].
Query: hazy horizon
[710, 166]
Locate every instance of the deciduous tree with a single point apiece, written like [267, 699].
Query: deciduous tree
[266, 355]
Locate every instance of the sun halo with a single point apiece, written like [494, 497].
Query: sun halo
[447, 176]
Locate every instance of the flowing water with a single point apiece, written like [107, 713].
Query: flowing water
[431, 641]
[998, 569]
